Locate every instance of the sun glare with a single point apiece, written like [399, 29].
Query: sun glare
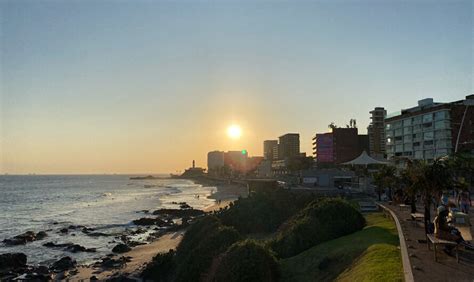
[234, 131]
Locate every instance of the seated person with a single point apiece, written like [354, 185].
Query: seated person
[445, 231]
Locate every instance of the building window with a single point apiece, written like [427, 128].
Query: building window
[418, 154]
[417, 128]
[441, 115]
[428, 145]
[428, 118]
[417, 120]
[399, 148]
[407, 122]
[442, 124]
[407, 139]
[429, 154]
[398, 132]
[406, 130]
[428, 135]
[427, 125]
[443, 134]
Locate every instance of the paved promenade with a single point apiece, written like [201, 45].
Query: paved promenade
[422, 260]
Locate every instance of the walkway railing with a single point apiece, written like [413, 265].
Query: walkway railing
[407, 270]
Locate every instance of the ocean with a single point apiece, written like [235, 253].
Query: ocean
[106, 203]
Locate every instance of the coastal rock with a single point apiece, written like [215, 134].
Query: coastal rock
[138, 231]
[70, 247]
[21, 239]
[109, 262]
[135, 243]
[12, 261]
[179, 212]
[73, 227]
[98, 234]
[121, 248]
[149, 221]
[78, 248]
[32, 275]
[54, 245]
[41, 269]
[64, 230]
[63, 264]
[41, 235]
[88, 232]
[120, 278]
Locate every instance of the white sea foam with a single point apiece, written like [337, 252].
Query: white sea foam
[105, 203]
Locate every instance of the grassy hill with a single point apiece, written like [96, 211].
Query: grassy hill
[371, 254]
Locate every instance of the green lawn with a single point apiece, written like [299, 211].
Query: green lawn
[367, 255]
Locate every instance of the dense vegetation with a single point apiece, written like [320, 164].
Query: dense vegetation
[161, 268]
[426, 179]
[205, 240]
[216, 247]
[320, 221]
[246, 261]
[264, 212]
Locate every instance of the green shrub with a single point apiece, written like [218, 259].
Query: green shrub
[195, 233]
[246, 261]
[264, 212]
[161, 268]
[203, 241]
[320, 221]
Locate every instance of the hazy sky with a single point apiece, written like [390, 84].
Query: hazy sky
[147, 86]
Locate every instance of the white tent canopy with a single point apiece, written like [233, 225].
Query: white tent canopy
[364, 159]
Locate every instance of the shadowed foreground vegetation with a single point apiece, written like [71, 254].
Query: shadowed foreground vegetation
[304, 230]
[367, 255]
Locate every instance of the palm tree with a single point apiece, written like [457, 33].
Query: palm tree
[462, 167]
[386, 177]
[428, 180]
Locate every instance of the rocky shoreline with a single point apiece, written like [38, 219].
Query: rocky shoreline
[127, 253]
[14, 266]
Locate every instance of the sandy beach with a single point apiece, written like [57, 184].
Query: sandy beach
[141, 255]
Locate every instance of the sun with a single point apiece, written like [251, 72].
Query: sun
[234, 131]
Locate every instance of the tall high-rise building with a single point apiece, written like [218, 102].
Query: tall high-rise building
[236, 160]
[269, 149]
[431, 130]
[289, 146]
[215, 160]
[339, 146]
[323, 148]
[376, 132]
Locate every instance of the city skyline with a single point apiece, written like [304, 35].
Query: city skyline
[116, 87]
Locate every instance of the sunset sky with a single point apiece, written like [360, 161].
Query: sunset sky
[148, 86]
